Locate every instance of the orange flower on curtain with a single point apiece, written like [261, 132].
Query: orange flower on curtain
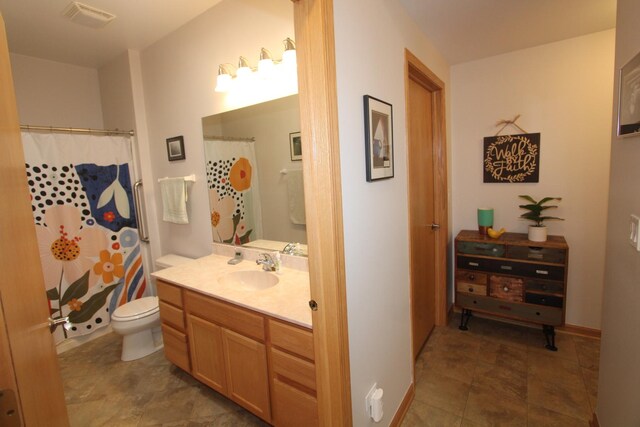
[109, 266]
[66, 249]
[240, 175]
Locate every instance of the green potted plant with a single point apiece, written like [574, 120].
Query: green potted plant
[535, 212]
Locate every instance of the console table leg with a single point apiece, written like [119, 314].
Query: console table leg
[550, 335]
[464, 319]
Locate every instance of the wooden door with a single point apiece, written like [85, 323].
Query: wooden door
[32, 356]
[247, 375]
[421, 212]
[207, 355]
[427, 200]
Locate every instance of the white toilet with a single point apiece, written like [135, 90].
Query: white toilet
[138, 321]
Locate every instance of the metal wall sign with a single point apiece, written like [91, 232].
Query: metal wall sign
[512, 158]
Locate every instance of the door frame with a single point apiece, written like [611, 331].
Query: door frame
[418, 72]
[317, 87]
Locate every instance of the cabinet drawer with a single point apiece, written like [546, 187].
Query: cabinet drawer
[291, 338]
[507, 288]
[544, 286]
[172, 315]
[531, 253]
[169, 293]
[471, 277]
[477, 248]
[542, 271]
[236, 319]
[288, 368]
[176, 348]
[542, 299]
[292, 407]
[471, 288]
[533, 313]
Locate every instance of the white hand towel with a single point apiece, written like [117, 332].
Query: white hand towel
[174, 200]
[295, 190]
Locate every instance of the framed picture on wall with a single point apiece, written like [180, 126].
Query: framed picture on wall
[175, 148]
[295, 145]
[629, 98]
[378, 130]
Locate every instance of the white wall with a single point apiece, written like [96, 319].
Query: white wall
[562, 90]
[179, 75]
[51, 93]
[619, 384]
[370, 38]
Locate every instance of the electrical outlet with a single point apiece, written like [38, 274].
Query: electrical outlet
[634, 230]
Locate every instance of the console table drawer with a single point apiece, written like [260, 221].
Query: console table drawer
[507, 288]
[471, 277]
[515, 268]
[529, 312]
[544, 286]
[475, 248]
[542, 299]
[470, 288]
[530, 253]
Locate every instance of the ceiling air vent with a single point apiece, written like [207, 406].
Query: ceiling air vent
[86, 15]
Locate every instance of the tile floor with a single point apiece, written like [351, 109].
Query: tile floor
[495, 374]
[101, 390]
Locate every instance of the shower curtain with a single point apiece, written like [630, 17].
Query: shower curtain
[232, 180]
[82, 202]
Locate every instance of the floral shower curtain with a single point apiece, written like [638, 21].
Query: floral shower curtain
[82, 202]
[232, 180]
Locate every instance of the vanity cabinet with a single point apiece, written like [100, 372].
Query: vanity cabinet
[512, 277]
[228, 351]
[172, 318]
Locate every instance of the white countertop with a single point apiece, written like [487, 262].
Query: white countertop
[288, 300]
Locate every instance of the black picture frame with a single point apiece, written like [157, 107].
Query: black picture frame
[295, 146]
[175, 148]
[378, 131]
[629, 98]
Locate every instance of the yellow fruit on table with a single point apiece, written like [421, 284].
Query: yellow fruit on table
[494, 234]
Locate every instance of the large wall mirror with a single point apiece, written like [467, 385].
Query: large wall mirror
[254, 176]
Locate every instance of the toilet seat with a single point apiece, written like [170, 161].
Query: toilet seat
[136, 309]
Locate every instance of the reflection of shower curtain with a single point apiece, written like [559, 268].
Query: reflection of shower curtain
[232, 179]
[81, 196]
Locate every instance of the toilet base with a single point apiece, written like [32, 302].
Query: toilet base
[138, 345]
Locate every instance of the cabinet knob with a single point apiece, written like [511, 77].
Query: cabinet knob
[506, 289]
[470, 289]
[472, 277]
[313, 305]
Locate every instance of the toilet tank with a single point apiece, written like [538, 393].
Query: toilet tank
[170, 260]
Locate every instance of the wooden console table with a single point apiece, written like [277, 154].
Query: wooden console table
[512, 277]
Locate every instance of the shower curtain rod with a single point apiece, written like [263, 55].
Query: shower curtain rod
[229, 138]
[77, 130]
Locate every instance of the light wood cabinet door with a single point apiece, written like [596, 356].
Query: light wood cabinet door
[207, 356]
[292, 407]
[247, 375]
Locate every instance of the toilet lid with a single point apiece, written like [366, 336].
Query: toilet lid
[137, 308]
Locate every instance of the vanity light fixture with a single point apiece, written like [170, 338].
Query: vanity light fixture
[266, 66]
[225, 74]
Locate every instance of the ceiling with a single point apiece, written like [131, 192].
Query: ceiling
[462, 30]
[37, 27]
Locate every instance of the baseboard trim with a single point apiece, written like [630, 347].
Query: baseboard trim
[594, 421]
[580, 330]
[404, 406]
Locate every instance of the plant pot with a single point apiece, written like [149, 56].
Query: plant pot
[538, 233]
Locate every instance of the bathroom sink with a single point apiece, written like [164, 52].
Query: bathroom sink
[250, 279]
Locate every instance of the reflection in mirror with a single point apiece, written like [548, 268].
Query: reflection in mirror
[254, 176]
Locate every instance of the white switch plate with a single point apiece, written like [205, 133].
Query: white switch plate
[634, 230]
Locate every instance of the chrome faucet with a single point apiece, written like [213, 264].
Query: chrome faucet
[290, 249]
[267, 262]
